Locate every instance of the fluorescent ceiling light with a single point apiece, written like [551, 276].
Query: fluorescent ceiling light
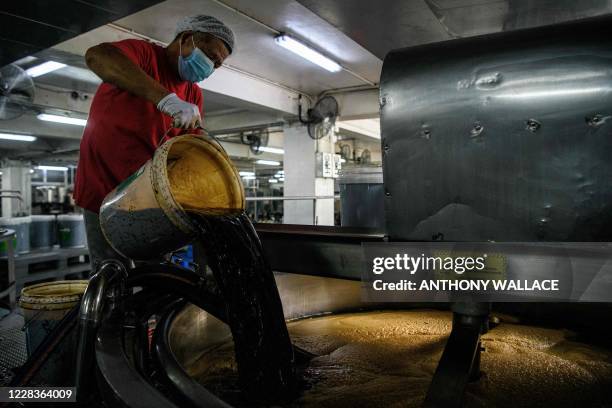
[275, 150]
[307, 53]
[273, 181]
[246, 173]
[62, 119]
[44, 68]
[56, 168]
[268, 162]
[279, 175]
[281, 179]
[249, 177]
[21, 138]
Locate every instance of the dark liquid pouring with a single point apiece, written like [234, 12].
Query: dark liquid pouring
[263, 349]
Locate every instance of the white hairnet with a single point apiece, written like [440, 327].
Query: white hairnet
[207, 24]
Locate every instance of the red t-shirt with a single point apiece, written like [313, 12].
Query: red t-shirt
[123, 130]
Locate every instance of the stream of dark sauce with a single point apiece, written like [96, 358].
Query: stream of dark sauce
[264, 354]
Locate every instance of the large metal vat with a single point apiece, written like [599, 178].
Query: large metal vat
[501, 137]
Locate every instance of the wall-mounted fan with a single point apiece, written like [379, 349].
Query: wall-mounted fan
[255, 139]
[321, 118]
[16, 92]
[366, 157]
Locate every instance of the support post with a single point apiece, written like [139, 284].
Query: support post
[302, 178]
[16, 177]
[460, 361]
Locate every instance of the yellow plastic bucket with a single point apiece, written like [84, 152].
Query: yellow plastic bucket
[146, 215]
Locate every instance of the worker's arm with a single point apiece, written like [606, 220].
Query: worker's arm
[114, 67]
[110, 64]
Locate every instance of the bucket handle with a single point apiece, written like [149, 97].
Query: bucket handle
[208, 135]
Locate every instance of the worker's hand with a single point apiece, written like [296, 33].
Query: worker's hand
[186, 115]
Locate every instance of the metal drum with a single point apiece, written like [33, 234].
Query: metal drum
[145, 216]
[71, 231]
[43, 231]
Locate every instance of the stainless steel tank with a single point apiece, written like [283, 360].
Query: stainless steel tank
[362, 197]
[501, 137]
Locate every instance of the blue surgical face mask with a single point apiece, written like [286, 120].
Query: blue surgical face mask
[196, 66]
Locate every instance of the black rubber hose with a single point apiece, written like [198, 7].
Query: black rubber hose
[183, 282]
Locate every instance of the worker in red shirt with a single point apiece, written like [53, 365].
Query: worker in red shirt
[149, 93]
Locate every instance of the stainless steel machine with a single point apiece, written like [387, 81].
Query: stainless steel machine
[504, 137]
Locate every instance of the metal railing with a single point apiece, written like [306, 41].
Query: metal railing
[295, 198]
[314, 200]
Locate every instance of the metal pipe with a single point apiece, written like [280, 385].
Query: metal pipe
[18, 197]
[105, 285]
[238, 130]
[292, 198]
[173, 373]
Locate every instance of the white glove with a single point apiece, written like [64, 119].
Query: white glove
[185, 115]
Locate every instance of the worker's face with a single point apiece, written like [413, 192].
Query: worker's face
[213, 47]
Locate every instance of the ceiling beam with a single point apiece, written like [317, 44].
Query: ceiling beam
[236, 120]
[358, 104]
[62, 99]
[241, 85]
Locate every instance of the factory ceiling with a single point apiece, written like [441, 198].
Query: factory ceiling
[261, 82]
[32, 26]
[383, 26]
[255, 26]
